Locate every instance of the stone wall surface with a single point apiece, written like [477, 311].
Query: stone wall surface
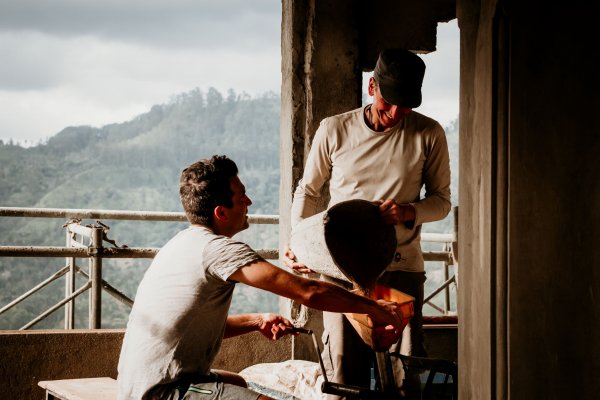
[28, 357]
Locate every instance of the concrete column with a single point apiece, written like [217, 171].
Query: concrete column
[529, 202]
[320, 77]
[326, 45]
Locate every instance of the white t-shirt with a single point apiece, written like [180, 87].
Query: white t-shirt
[360, 163]
[178, 317]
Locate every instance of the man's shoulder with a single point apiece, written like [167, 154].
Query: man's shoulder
[190, 239]
[343, 118]
[422, 122]
[422, 117]
[192, 233]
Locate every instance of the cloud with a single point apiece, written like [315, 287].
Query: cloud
[163, 23]
[89, 62]
[100, 82]
[441, 83]
[83, 62]
[30, 61]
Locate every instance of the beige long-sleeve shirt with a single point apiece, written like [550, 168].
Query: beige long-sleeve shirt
[360, 163]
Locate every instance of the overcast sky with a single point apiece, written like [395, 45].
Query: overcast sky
[90, 62]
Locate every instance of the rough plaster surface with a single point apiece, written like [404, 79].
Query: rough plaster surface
[529, 221]
[32, 356]
[325, 47]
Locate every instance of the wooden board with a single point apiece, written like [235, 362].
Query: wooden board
[103, 388]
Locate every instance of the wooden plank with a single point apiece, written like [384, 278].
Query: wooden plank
[103, 388]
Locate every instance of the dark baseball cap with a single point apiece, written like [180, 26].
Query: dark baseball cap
[399, 74]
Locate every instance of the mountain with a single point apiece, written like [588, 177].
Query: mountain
[135, 165]
[132, 166]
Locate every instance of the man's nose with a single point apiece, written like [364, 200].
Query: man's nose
[248, 201]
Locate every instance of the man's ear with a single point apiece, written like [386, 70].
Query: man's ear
[371, 87]
[219, 214]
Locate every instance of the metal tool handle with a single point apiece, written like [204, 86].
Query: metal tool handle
[350, 391]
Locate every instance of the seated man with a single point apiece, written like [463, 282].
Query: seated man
[180, 313]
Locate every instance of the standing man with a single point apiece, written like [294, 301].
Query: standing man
[383, 152]
[180, 313]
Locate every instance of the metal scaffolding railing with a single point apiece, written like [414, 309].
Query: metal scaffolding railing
[89, 242]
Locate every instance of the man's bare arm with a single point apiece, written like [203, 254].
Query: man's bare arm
[314, 293]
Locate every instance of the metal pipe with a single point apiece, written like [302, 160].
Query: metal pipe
[70, 286]
[41, 251]
[92, 252]
[129, 252]
[111, 290]
[70, 213]
[446, 290]
[385, 371]
[435, 307]
[442, 256]
[106, 252]
[439, 289]
[316, 344]
[437, 237]
[41, 285]
[56, 307]
[96, 279]
[80, 230]
[115, 293]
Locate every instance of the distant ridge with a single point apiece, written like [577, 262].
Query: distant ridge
[135, 165]
[108, 167]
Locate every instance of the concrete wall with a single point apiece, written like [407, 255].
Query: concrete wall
[27, 357]
[529, 192]
[326, 45]
[442, 341]
[32, 356]
[529, 201]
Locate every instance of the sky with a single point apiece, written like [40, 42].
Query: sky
[88, 62]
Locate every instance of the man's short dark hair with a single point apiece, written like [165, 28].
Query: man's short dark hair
[204, 185]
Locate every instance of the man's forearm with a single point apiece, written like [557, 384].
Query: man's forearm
[303, 206]
[241, 324]
[432, 208]
[330, 297]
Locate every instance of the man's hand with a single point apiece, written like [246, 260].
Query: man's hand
[387, 333]
[289, 258]
[394, 214]
[274, 326]
[385, 337]
[391, 313]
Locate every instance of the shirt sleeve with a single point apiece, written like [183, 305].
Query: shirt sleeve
[317, 172]
[436, 177]
[223, 256]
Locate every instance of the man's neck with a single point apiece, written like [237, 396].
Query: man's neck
[373, 122]
[215, 229]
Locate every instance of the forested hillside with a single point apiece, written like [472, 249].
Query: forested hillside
[135, 165]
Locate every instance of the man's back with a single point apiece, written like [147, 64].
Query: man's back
[177, 321]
